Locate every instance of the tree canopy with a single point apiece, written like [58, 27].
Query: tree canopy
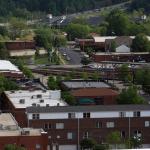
[57, 7]
[138, 4]
[130, 96]
[141, 43]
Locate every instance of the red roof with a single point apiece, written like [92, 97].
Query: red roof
[94, 92]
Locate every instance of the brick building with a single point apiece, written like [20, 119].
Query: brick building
[16, 102]
[11, 133]
[9, 70]
[98, 96]
[68, 125]
[21, 48]
[122, 57]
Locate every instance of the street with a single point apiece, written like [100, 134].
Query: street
[72, 56]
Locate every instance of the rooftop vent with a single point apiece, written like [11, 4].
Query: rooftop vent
[34, 104]
[39, 96]
[42, 101]
[47, 105]
[22, 101]
[58, 104]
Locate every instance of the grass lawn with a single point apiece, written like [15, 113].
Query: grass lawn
[42, 60]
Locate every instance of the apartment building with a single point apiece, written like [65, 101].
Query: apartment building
[68, 125]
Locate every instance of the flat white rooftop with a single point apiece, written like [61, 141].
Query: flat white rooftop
[24, 99]
[9, 127]
[8, 66]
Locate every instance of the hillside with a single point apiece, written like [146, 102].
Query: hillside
[56, 7]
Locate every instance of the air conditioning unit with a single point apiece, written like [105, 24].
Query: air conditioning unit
[22, 101]
[23, 132]
[39, 96]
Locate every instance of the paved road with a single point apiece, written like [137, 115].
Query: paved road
[73, 57]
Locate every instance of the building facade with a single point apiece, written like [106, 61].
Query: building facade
[69, 125]
[11, 133]
[16, 102]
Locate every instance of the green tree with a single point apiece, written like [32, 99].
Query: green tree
[13, 147]
[87, 144]
[113, 46]
[77, 31]
[124, 72]
[17, 27]
[130, 96]
[118, 23]
[142, 77]
[85, 61]
[101, 147]
[27, 72]
[52, 83]
[7, 84]
[60, 41]
[3, 51]
[96, 76]
[141, 43]
[70, 99]
[44, 38]
[85, 76]
[114, 138]
[4, 31]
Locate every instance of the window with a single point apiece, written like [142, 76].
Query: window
[98, 124]
[69, 136]
[122, 114]
[137, 133]
[110, 125]
[71, 115]
[123, 134]
[147, 123]
[59, 125]
[136, 114]
[35, 116]
[86, 115]
[47, 126]
[86, 135]
[38, 146]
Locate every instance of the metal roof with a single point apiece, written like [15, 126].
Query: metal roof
[98, 108]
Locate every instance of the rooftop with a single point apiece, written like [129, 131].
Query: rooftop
[9, 127]
[94, 92]
[85, 84]
[115, 53]
[104, 38]
[26, 98]
[97, 108]
[8, 66]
